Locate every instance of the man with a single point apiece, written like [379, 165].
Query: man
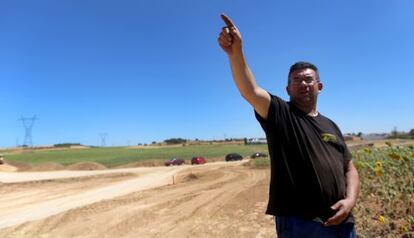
[314, 184]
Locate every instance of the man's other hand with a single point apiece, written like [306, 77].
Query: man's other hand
[343, 209]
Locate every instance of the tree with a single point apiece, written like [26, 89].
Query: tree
[173, 141]
[411, 134]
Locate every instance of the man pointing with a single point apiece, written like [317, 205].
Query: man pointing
[314, 184]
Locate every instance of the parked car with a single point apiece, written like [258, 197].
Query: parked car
[174, 161]
[198, 160]
[258, 155]
[233, 157]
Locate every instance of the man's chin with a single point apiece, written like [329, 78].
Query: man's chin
[306, 99]
[304, 102]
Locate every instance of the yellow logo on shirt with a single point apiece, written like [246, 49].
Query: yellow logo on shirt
[328, 137]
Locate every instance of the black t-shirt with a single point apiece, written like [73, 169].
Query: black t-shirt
[308, 162]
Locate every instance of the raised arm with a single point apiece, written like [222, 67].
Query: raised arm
[231, 42]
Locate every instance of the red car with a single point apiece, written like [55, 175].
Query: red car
[174, 161]
[198, 160]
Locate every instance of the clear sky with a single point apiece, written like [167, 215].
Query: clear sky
[144, 71]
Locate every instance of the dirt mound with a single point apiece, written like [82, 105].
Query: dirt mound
[259, 163]
[21, 166]
[219, 200]
[215, 159]
[187, 178]
[146, 163]
[7, 168]
[50, 166]
[86, 166]
[249, 164]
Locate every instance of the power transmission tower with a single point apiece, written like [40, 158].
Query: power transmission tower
[28, 123]
[103, 139]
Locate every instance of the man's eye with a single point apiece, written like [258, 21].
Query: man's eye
[308, 79]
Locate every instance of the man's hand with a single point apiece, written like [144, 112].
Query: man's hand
[343, 208]
[231, 42]
[230, 37]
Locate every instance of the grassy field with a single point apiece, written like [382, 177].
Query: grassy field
[115, 156]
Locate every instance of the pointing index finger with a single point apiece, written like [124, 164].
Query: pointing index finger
[227, 20]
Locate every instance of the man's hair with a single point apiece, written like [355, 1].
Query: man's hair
[303, 65]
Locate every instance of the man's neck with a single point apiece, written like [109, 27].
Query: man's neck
[309, 110]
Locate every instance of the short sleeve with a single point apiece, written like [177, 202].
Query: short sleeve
[273, 114]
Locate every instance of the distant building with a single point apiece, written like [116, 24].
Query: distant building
[349, 137]
[256, 141]
[375, 136]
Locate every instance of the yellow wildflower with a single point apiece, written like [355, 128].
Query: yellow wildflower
[378, 168]
[394, 155]
[381, 218]
[403, 228]
[378, 172]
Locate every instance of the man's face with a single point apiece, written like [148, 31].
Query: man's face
[304, 87]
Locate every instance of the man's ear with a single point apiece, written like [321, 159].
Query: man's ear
[287, 90]
[320, 86]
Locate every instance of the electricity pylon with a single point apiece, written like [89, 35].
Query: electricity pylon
[28, 123]
[103, 139]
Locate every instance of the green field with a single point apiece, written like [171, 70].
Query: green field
[115, 156]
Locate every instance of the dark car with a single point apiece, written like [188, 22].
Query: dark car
[258, 155]
[174, 161]
[233, 157]
[198, 160]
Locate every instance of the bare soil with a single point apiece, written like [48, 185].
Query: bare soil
[221, 199]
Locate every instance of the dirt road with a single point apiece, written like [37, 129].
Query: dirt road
[212, 200]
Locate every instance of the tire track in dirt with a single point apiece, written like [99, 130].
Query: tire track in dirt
[47, 207]
[224, 200]
[22, 197]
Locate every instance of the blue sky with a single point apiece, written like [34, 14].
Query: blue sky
[144, 71]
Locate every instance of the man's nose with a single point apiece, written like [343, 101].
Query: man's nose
[303, 84]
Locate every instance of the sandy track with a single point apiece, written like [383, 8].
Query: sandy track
[213, 200]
